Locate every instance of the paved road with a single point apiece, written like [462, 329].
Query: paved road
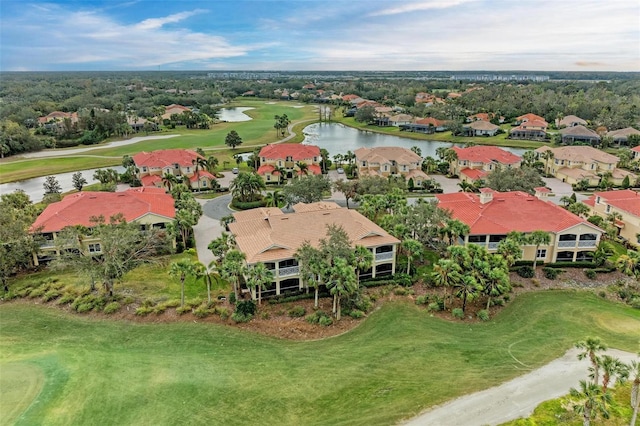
[68, 152]
[515, 398]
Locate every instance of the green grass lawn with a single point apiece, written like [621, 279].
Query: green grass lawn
[258, 131]
[398, 362]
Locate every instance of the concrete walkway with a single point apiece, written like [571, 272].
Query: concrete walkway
[515, 398]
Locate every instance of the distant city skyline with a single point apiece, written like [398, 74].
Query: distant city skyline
[453, 35]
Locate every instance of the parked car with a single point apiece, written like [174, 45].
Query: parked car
[235, 171]
[340, 170]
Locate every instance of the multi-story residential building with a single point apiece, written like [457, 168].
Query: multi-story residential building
[174, 109]
[476, 162]
[625, 203]
[148, 207]
[152, 166]
[269, 236]
[529, 117]
[289, 157]
[491, 215]
[388, 161]
[530, 130]
[480, 128]
[573, 164]
[579, 134]
[636, 152]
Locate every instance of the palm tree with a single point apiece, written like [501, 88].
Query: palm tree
[465, 186]
[510, 250]
[246, 186]
[547, 155]
[528, 158]
[496, 284]
[312, 267]
[612, 368]
[169, 179]
[429, 164]
[467, 289]
[362, 260]
[590, 347]
[634, 371]
[273, 198]
[181, 269]
[220, 246]
[446, 273]
[212, 163]
[282, 172]
[591, 401]
[413, 249]
[454, 229]
[201, 271]
[258, 276]
[342, 282]
[303, 168]
[231, 268]
[538, 238]
[629, 263]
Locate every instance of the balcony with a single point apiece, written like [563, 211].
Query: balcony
[384, 256]
[286, 272]
[493, 245]
[47, 244]
[566, 244]
[587, 243]
[479, 243]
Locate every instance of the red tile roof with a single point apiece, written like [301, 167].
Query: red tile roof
[350, 97]
[201, 173]
[530, 117]
[430, 120]
[77, 209]
[508, 211]
[473, 173]
[166, 157]
[636, 148]
[625, 199]
[313, 169]
[266, 168]
[486, 154]
[482, 116]
[150, 180]
[295, 150]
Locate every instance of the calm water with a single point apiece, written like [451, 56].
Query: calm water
[338, 139]
[35, 190]
[233, 114]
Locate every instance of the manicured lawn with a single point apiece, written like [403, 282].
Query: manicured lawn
[396, 363]
[258, 131]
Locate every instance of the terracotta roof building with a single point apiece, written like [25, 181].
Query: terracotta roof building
[579, 134]
[530, 130]
[173, 109]
[529, 117]
[491, 215]
[626, 203]
[390, 160]
[150, 207]
[476, 162]
[288, 156]
[272, 237]
[572, 164]
[152, 166]
[480, 128]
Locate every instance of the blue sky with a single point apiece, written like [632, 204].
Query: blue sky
[588, 35]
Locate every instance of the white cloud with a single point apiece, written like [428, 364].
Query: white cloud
[420, 6]
[155, 23]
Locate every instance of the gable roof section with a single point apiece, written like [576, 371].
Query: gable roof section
[623, 133]
[77, 209]
[486, 154]
[508, 211]
[432, 121]
[272, 237]
[625, 200]
[570, 119]
[579, 153]
[482, 125]
[166, 157]
[387, 154]
[530, 117]
[295, 150]
[579, 131]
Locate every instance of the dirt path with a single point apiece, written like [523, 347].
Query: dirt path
[515, 398]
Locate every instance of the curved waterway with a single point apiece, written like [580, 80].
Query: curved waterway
[233, 115]
[338, 139]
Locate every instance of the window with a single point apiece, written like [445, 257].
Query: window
[608, 209]
[95, 248]
[541, 254]
[144, 168]
[597, 200]
[287, 263]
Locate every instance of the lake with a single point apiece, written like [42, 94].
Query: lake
[34, 189]
[338, 139]
[233, 115]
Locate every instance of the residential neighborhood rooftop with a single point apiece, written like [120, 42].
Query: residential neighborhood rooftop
[387, 153]
[166, 157]
[79, 208]
[486, 154]
[625, 199]
[296, 151]
[579, 153]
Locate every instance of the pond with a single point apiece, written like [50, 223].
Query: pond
[338, 139]
[233, 115]
[34, 189]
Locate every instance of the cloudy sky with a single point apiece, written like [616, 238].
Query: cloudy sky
[589, 35]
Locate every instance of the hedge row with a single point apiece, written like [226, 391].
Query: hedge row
[247, 205]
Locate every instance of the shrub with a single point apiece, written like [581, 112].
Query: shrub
[181, 310]
[128, 300]
[422, 300]
[297, 312]
[602, 294]
[551, 273]
[356, 314]
[224, 313]
[36, 292]
[51, 294]
[144, 310]
[591, 274]
[635, 303]
[403, 280]
[535, 282]
[578, 264]
[240, 317]
[458, 313]
[434, 306]
[159, 309]
[483, 315]
[201, 311]
[497, 302]
[66, 298]
[246, 308]
[111, 308]
[325, 321]
[400, 291]
[232, 298]
[84, 307]
[315, 317]
[506, 298]
[526, 271]
[247, 205]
